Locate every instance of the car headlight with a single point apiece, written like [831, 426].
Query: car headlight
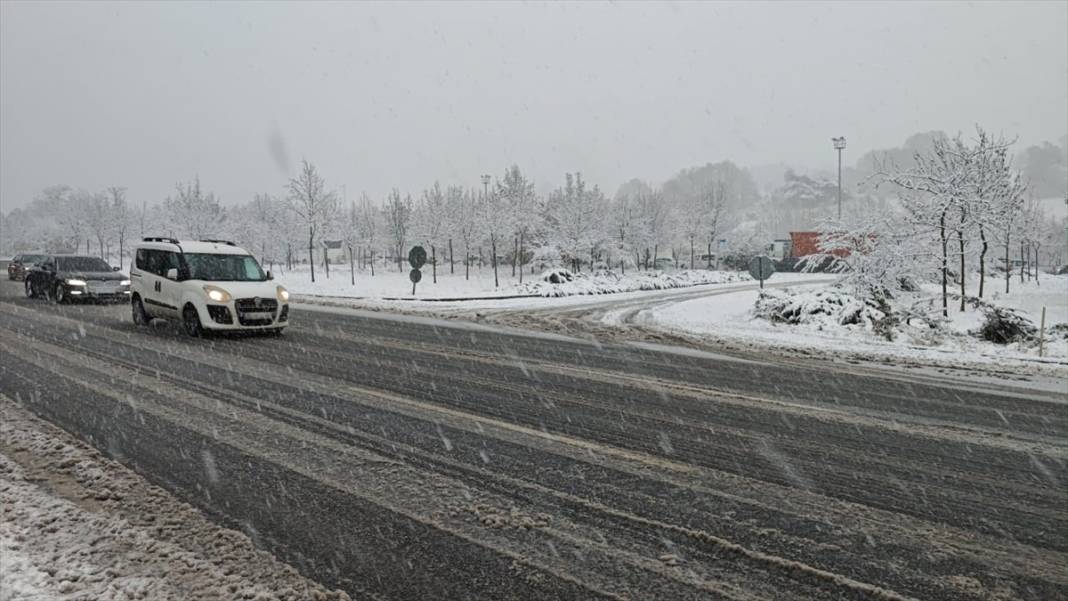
[75, 282]
[217, 294]
[124, 283]
[283, 294]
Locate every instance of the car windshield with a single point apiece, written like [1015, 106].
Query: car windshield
[224, 268]
[31, 259]
[81, 264]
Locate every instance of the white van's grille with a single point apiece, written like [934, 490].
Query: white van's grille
[256, 311]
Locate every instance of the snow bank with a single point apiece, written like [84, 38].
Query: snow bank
[818, 318]
[560, 282]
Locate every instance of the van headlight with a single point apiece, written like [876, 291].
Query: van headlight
[124, 283]
[217, 294]
[283, 294]
[75, 282]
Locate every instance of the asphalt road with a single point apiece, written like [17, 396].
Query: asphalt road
[406, 458]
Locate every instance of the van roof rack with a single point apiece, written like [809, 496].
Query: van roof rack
[158, 239]
[226, 242]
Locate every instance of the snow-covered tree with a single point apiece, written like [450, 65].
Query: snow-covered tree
[453, 219]
[654, 220]
[310, 201]
[192, 212]
[398, 217]
[369, 218]
[466, 210]
[959, 190]
[625, 223]
[518, 199]
[429, 223]
[120, 217]
[574, 220]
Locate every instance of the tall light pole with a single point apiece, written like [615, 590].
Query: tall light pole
[485, 186]
[839, 144]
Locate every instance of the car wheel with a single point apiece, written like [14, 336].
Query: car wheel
[191, 321]
[30, 292]
[139, 316]
[59, 294]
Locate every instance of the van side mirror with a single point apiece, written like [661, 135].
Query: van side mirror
[114, 268]
[270, 276]
[172, 274]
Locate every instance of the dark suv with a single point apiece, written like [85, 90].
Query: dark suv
[65, 278]
[20, 264]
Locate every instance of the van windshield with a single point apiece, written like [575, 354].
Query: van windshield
[224, 268]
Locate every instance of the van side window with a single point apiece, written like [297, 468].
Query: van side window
[168, 260]
[142, 260]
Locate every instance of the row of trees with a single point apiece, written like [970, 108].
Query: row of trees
[960, 202]
[505, 221]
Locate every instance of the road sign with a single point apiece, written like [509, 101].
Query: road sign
[414, 275]
[761, 268]
[417, 257]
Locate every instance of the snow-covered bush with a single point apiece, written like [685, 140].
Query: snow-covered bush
[607, 282]
[1005, 326]
[818, 307]
[556, 276]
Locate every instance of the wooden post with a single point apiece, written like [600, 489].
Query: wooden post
[434, 262]
[1042, 334]
[493, 242]
[452, 269]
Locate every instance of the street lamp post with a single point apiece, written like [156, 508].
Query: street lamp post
[485, 185]
[839, 144]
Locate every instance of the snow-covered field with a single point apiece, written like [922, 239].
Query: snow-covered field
[730, 316]
[393, 285]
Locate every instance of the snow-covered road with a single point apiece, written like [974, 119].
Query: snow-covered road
[405, 458]
[75, 525]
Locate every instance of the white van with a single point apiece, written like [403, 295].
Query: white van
[206, 284]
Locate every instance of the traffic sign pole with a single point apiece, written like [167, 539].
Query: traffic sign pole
[416, 258]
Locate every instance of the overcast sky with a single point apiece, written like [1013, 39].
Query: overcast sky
[144, 95]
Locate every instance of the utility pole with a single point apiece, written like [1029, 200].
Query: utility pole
[839, 144]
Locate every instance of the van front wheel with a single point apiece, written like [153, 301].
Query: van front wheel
[191, 321]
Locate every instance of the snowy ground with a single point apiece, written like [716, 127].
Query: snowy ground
[391, 285]
[77, 526]
[729, 317]
[519, 309]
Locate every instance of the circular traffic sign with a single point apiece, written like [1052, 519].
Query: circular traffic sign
[417, 257]
[415, 275]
